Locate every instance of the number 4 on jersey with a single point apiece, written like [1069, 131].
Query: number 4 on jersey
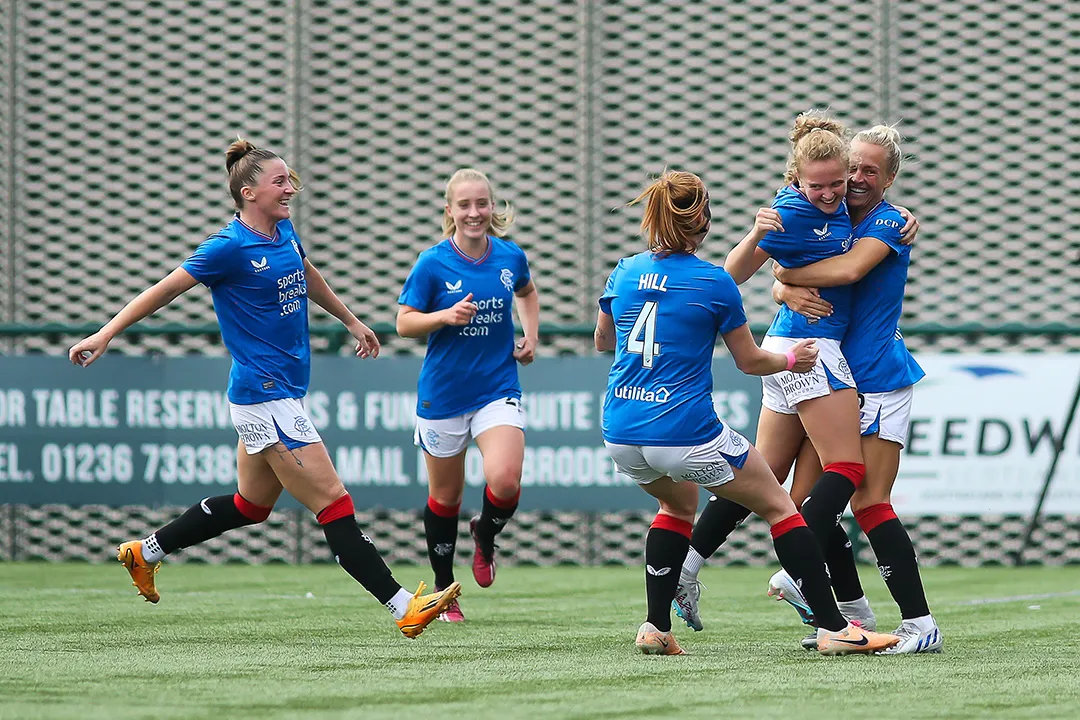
[642, 339]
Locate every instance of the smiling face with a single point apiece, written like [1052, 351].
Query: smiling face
[824, 182]
[867, 176]
[470, 205]
[269, 197]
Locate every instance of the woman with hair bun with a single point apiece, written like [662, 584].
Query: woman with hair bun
[661, 312]
[261, 278]
[460, 294]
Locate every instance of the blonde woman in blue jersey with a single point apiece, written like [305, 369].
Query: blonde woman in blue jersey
[261, 278]
[460, 294]
[877, 268]
[661, 312]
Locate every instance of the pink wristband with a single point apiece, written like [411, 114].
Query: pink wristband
[790, 359]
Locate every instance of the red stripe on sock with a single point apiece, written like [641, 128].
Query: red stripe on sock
[787, 525]
[250, 510]
[441, 510]
[342, 507]
[870, 517]
[855, 472]
[503, 503]
[672, 523]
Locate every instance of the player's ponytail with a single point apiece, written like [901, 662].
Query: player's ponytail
[815, 136]
[244, 163]
[500, 221]
[674, 212]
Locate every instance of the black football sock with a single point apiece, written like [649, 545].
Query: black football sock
[799, 554]
[208, 519]
[665, 548]
[896, 558]
[354, 551]
[716, 522]
[495, 514]
[830, 495]
[843, 572]
[441, 531]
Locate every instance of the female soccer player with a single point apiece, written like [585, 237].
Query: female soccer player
[260, 279]
[661, 312]
[460, 294]
[809, 222]
[885, 373]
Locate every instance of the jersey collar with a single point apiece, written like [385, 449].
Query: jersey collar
[258, 234]
[468, 258]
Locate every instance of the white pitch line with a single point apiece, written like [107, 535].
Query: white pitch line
[1019, 598]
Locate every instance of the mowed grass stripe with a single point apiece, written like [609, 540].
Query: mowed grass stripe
[246, 641]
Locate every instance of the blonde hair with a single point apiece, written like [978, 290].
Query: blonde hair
[500, 222]
[888, 137]
[816, 136]
[673, 212]
[244, 163]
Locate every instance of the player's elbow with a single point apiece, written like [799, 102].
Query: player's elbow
[754, 363]
[851, 275]
[402, 326]
[603, 341]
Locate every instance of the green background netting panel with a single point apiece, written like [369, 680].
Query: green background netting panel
[988, 93]
[90, 533]
[7, 154]
[124, 111]
[713, 88]
[400, 98]
[121, 117]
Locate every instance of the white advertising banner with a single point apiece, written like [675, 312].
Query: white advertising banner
[983, 434]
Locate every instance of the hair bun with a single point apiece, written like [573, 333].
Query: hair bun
[237, 150]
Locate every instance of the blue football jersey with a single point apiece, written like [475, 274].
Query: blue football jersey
[467, 367]
[873, 345]
[667, 312]
[809, 235]
[260, 297]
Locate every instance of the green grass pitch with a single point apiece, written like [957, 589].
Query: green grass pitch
[248, 641]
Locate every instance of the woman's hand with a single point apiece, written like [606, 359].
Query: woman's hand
[806, 301]
[460, 313]
[766, 221]
[87, 350]
[525, 350]
[367, 342]
[806, 353]
[911, 226]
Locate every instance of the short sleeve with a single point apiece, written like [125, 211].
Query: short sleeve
[609, 290]
[523, 274]
[780, 244]
[727, 303]
[416, 292]
[886, 228]
[210, 262]
[296, 240]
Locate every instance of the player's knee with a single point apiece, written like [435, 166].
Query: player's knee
[504, 481]
[868, 496]
[250, 513]
[682, 508]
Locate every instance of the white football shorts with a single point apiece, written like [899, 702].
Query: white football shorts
[782, 391]
[278, 421]
[888, 414]
[450, 436]
[707, 465]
